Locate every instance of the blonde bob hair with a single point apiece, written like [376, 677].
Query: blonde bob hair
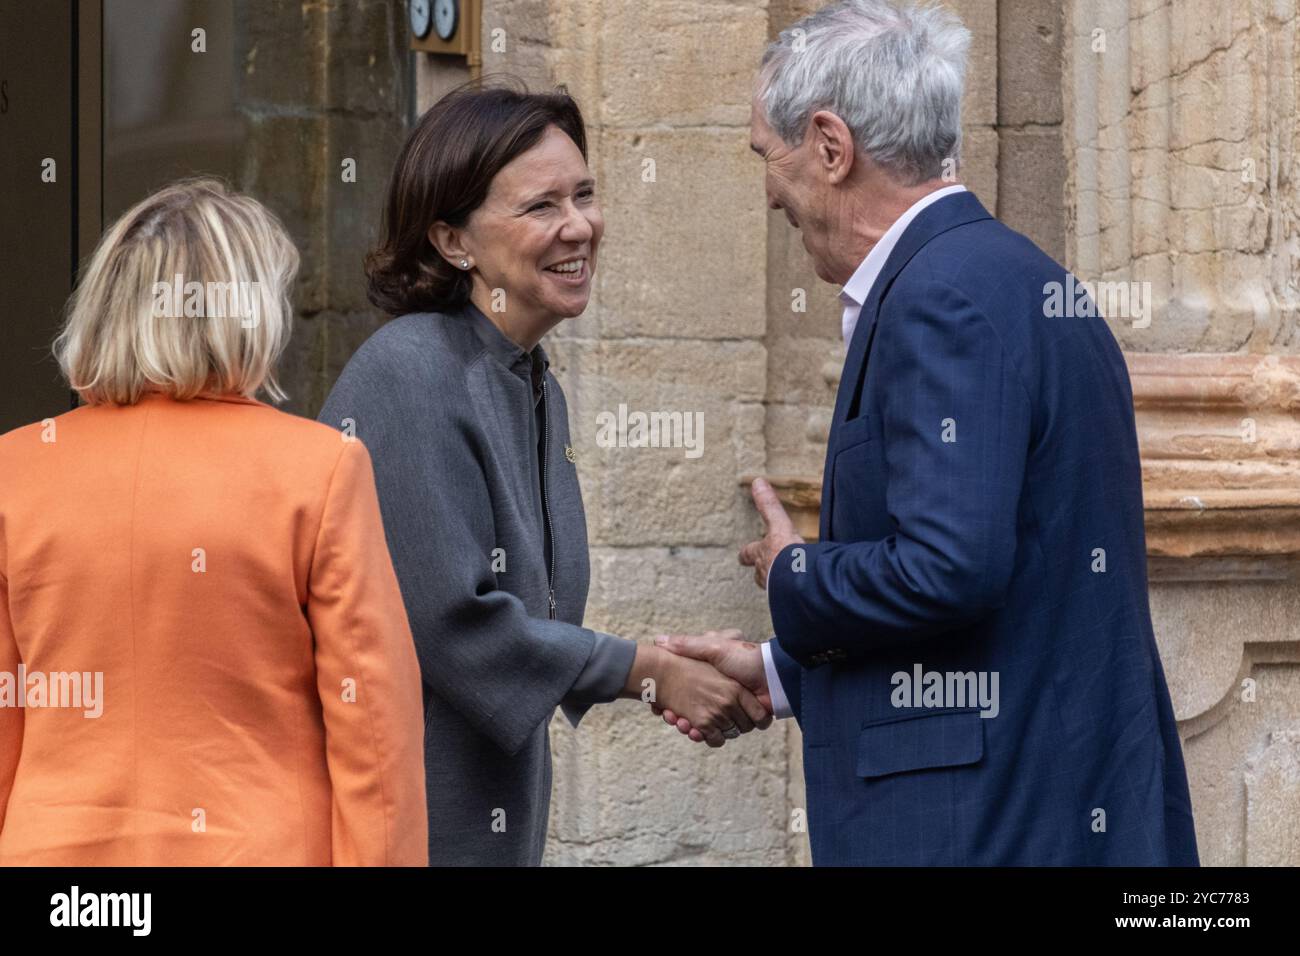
[187, 292]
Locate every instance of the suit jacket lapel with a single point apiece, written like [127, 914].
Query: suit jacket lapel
[947, 213]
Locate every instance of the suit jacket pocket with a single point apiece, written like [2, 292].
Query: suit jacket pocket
[945, 738]
[857, 493]
[855, 431]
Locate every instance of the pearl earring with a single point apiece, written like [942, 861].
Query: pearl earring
[464, 263]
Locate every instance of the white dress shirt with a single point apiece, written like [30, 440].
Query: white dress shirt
[854, 295]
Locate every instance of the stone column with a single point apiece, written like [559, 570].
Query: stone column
[1181, 119]
[319, 85]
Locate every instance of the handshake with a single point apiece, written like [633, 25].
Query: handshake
[712, 686]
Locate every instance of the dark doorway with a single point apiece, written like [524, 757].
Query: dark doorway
[101, 102]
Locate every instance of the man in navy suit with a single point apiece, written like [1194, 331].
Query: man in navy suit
[967, 647]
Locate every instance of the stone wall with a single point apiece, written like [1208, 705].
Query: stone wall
[319, 84]
[1168, 157]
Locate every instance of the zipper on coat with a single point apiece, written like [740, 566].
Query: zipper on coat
[546, 514]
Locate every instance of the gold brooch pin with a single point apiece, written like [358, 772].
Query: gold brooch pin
[569, 454]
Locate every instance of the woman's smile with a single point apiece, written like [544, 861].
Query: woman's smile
[570, 272]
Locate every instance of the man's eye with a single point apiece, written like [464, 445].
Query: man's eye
[587, 194]
[536, 206]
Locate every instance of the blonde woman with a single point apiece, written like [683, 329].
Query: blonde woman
[204, 657]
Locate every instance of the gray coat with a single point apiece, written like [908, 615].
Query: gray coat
[455, 417]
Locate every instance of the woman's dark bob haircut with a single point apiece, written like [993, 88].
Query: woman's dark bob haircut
[443, 174]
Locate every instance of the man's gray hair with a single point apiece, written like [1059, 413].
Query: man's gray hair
[894, 72]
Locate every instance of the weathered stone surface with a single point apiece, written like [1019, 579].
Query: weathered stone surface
[683, 254]
[1032, 164]
[1029, 62]
[1273, 802]
[638, 496]
[631, 790]
[979, 165]
[516, 40]
[1239, 757]
[322, 83]
[980, 107]
[1181, 119]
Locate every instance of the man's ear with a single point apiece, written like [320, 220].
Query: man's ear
[833, 143]
[449, 242]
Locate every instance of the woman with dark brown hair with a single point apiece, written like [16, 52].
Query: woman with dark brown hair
[490, 240]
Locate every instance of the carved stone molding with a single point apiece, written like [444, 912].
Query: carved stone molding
[1220, 440]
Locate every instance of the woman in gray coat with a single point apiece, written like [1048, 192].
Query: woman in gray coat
[489, 240]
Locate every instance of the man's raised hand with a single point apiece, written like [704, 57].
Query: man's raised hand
[778, 532]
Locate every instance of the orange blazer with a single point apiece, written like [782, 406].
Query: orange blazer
[218, 568]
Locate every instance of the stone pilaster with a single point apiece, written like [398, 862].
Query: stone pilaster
[320, 84]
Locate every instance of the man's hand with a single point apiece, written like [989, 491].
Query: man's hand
[733, 656]
[778, 532]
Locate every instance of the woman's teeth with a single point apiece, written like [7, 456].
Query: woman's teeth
[566, 267]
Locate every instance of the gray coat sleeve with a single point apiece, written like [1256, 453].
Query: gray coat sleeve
[604, 677]
[478, 647]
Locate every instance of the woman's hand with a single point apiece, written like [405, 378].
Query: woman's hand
[716, 706]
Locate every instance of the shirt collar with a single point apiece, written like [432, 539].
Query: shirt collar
[858, 289]
[529, 365]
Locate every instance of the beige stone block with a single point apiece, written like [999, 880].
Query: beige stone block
[1029, 62]
[659, 495]
[1200, 28]
[680, 62]
[796, 439]
[1031, 173]
[782, 14]
[631, 791]
[574, 54]
[800, 370]
[979, 167]
[980, 106]
[638, 592]
[1240, 768]
[684, 247]
[1273, 802]
[792, 284]
[516, 39]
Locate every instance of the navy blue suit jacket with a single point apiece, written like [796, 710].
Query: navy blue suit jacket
[981, 514]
